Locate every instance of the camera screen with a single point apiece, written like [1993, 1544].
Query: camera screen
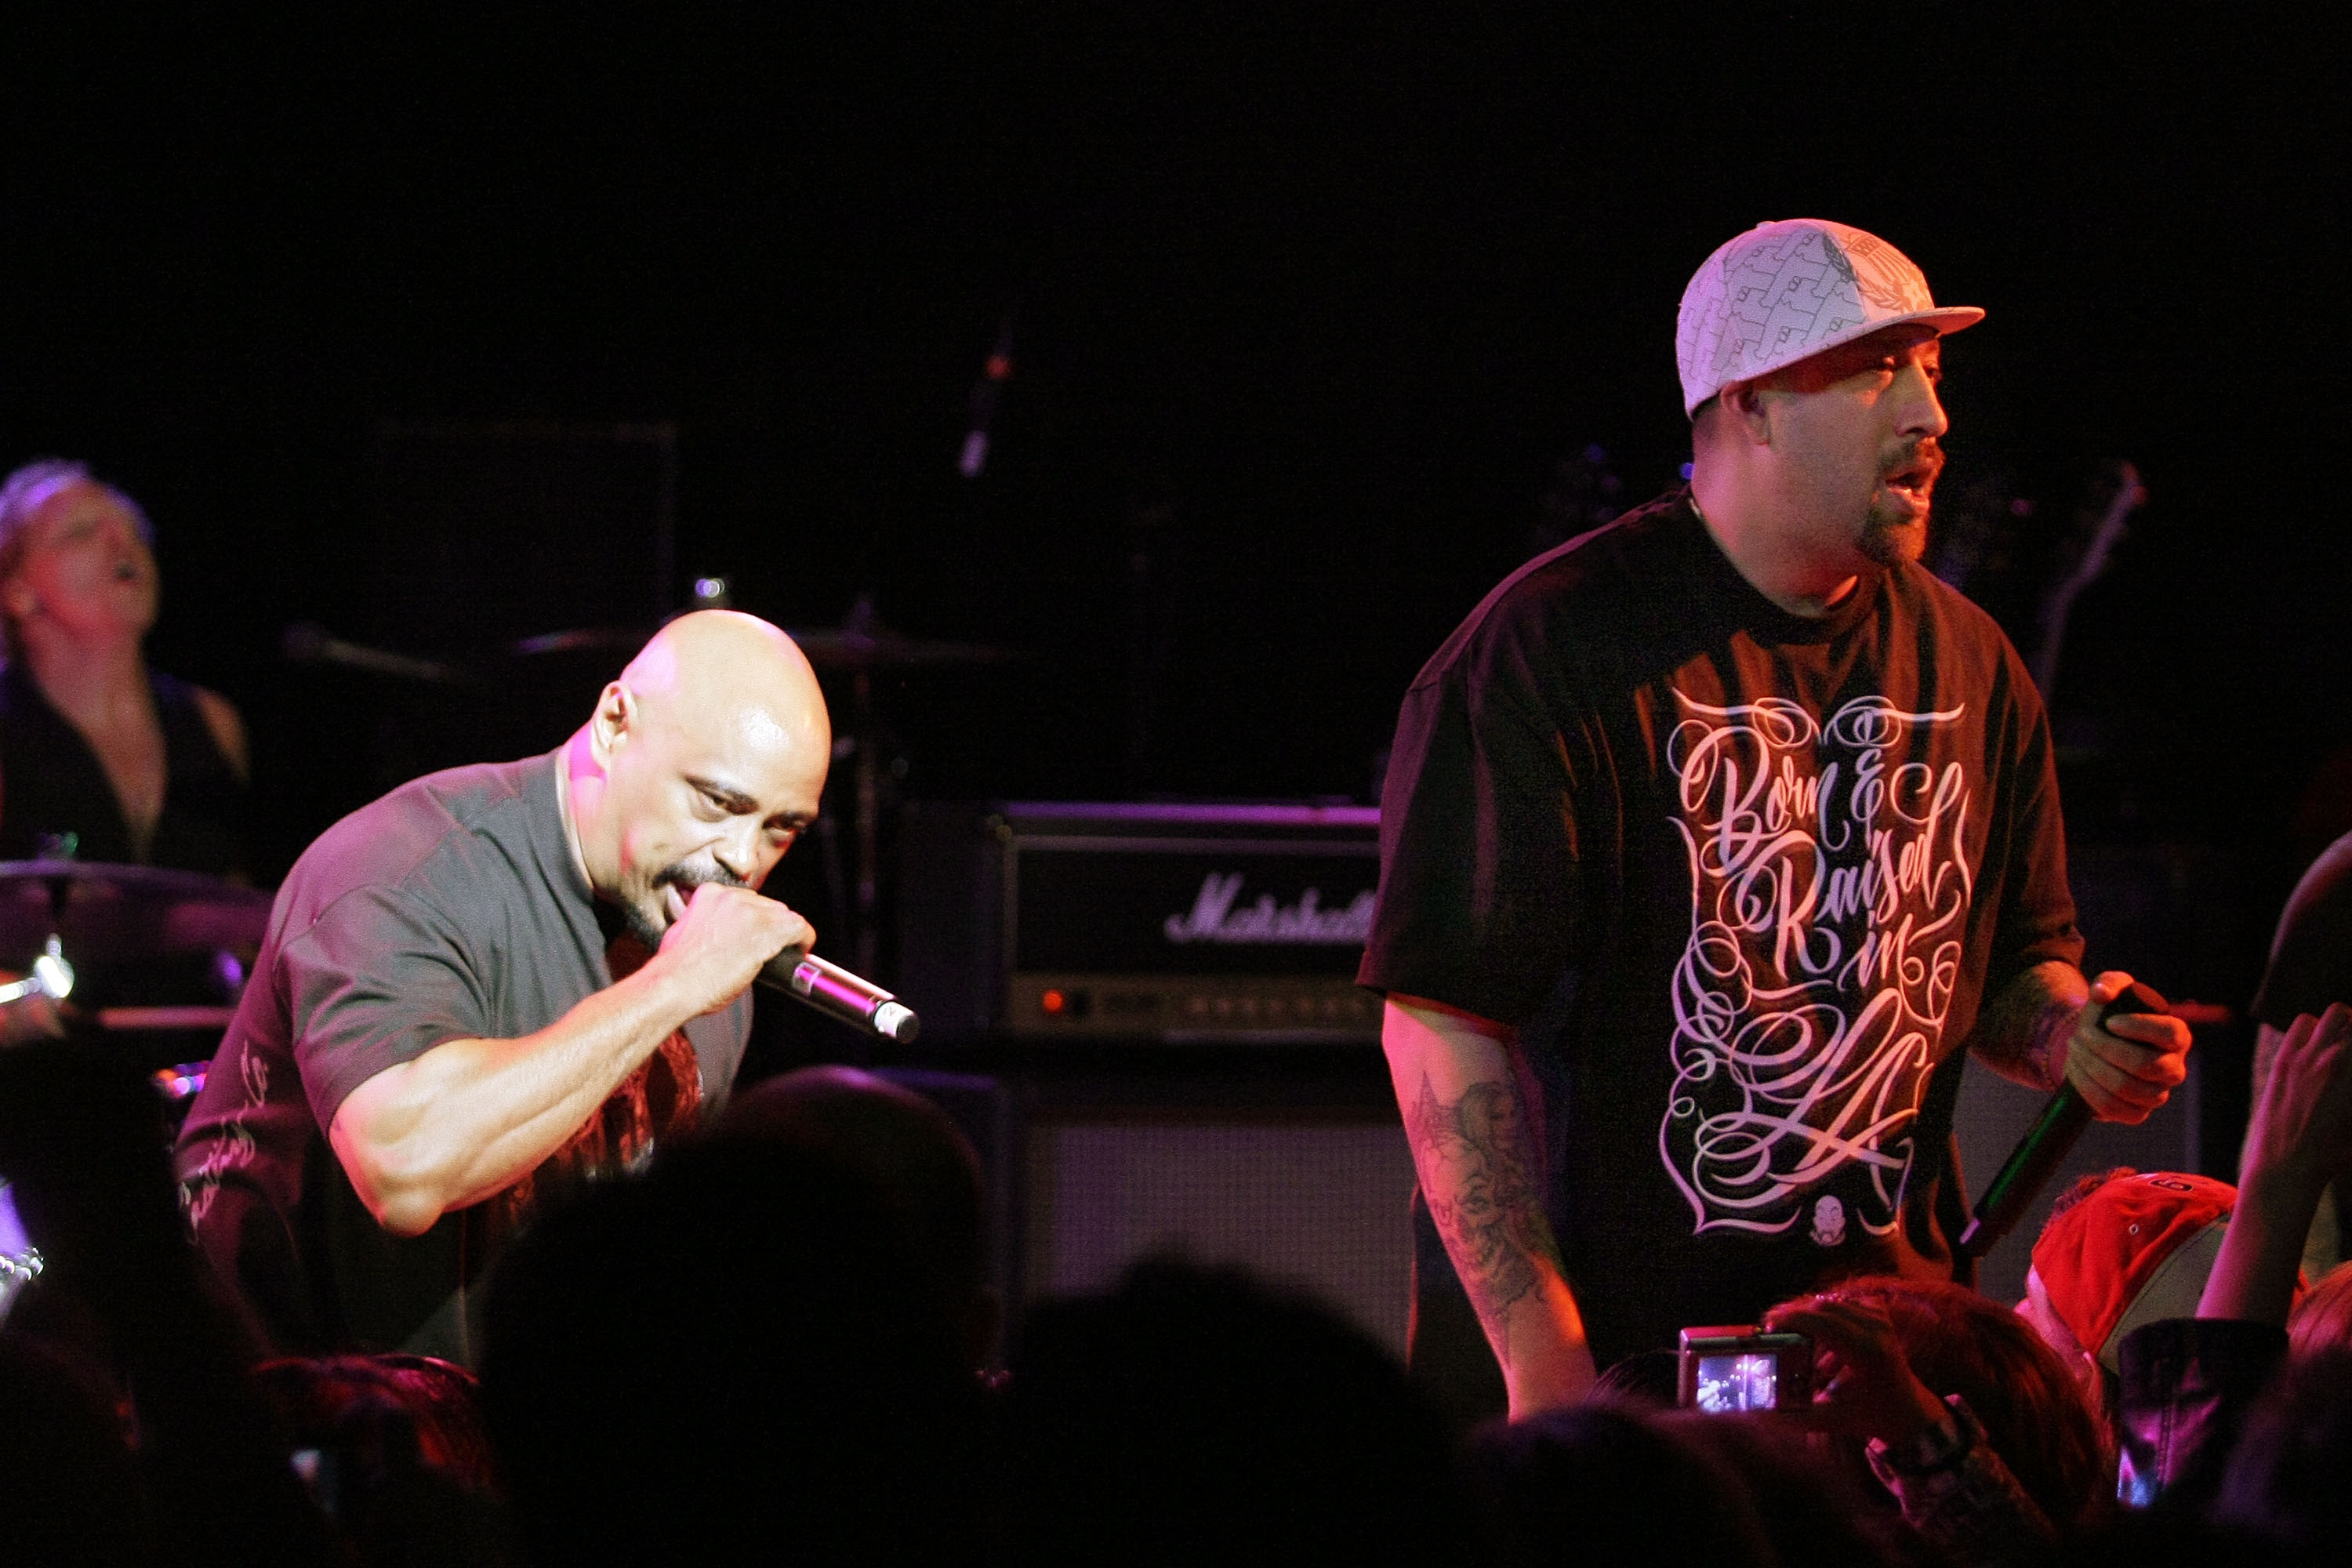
[1748, 1381]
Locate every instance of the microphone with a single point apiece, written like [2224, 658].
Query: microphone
[2042, 1150]
[834, 992]
[306, 642]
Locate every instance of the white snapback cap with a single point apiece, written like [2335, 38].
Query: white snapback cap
[2172, 1291]
[1787, 290]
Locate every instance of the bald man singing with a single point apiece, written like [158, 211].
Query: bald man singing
[500, 980]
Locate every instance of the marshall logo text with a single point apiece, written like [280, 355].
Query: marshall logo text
[1214, 918]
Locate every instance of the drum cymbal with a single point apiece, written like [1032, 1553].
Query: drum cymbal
[103, 912]
[841, 648]
[608, 641]
[827, 647]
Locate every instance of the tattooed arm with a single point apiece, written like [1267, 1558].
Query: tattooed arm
[2048, 1018]
[1480, 1160]
[2023, 1029]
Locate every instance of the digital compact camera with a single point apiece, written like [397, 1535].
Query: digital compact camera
[1740, 1367]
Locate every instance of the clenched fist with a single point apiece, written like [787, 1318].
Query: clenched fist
[718, 938]
[2128, 1068]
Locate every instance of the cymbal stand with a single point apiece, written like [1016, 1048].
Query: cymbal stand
[869, 817]
[52, 975]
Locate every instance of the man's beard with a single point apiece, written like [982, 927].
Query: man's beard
[1893, 531]
[649, 921]
[1888, 541]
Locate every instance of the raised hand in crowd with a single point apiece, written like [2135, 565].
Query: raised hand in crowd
[2299, 1140]
[1864, 1386]
[2187, 1384]
[1965, 1416]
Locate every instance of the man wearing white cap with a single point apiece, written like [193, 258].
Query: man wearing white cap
[1709, 840]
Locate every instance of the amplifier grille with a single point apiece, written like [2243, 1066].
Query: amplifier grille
[1319, 1205]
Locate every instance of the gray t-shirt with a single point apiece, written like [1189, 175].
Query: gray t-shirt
[450, 909]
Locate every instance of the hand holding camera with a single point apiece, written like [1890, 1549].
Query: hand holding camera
[1739, 1368]
[1863, 1386]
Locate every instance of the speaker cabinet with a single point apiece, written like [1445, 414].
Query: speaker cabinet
[1303, 1179]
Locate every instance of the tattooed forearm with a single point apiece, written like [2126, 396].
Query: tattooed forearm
[2022, 1031]
[1479, 1174]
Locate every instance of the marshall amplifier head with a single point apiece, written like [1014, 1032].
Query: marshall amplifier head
[1047, 920]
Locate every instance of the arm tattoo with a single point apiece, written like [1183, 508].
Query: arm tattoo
[2024, 1031]
[1478, 1177]
[2046, 1036]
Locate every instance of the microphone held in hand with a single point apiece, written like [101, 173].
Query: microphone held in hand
[837, 992]
[2042, 1150]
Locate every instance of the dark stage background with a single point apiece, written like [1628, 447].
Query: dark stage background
[1309, 303]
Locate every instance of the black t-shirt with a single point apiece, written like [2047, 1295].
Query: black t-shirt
[1739, 879]
[451, 908]
[2311, 956]
[52, 783]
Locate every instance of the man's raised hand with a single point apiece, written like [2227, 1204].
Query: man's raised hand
[1863, 1382]
[2301, 1132]
[2300, 1138]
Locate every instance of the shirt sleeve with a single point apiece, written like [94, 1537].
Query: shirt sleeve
[1480, 895]
[2035, 923]
[378, 979]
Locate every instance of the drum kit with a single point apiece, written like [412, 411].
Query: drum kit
[63, 921]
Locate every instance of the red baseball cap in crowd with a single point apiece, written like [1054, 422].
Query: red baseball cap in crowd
[2135, 1250]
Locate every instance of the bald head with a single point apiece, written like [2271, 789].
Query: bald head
[723, 669]
[702, 762]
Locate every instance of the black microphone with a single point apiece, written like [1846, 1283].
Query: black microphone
[2042, 1150]
[834, 992]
